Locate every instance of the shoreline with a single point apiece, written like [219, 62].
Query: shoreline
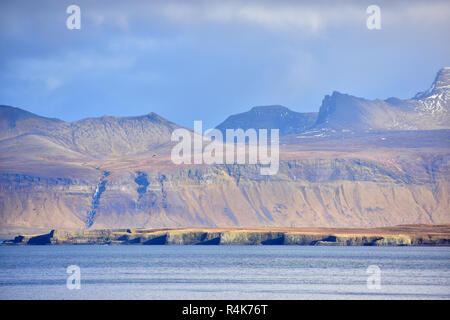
[402, 235]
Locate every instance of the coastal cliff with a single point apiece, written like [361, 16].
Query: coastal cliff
[406, 235]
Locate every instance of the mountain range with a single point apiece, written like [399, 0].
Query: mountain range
[355, 163]
[340, 112]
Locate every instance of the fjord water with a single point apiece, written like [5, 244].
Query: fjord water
[224, 272]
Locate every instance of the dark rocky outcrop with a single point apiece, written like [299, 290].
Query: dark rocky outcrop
[436, 235]
[270, 117]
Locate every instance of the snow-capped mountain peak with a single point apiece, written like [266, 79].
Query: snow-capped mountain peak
[435, 100]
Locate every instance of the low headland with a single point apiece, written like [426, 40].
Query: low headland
[402, 235]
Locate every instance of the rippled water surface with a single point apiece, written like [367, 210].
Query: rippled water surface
[224, 272]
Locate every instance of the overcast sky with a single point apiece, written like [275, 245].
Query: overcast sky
[204, 60]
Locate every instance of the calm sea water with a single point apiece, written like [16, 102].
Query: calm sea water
[224, 272]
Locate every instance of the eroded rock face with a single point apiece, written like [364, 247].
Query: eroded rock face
[309, 192]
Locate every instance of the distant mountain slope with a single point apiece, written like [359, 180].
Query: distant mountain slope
[15, 121]
[104, 136]
[270, 117]
[114, 136]
[428, 110]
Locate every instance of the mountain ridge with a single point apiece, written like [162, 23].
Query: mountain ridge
[101, 136]
[345, 112]
[270, 117]
[418, 113]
